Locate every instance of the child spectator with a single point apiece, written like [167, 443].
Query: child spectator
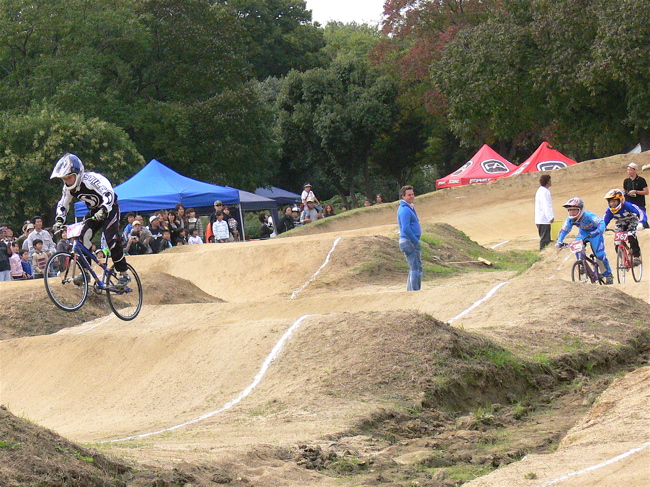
[17, 273]
[195, 237]
[39, 259]
[64, 245]
[265, 230]
[165, 241]
[233, 224]
[306, 194]
[220, 229]
[130, 218]
[295, 214]
[181, 238]
[193, 222]
[27, 265]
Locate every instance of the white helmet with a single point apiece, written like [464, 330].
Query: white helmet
[69, 164]
[578, 204]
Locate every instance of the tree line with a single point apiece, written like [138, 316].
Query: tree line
[248, 93]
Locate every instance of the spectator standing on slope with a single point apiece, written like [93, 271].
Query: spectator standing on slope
[544, 210]
[636, 188]
[409, 237]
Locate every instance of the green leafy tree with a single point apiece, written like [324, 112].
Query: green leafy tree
[33, 142]
[621, 57]
[331, 118]
[279, 36]
[235, 145]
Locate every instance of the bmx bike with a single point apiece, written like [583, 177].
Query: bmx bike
[625, 259]
[67, 276]
[585, 268]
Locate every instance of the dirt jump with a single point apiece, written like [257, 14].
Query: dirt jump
[303, 361]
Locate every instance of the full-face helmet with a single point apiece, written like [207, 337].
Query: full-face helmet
[68, 165]
[615, 199]
[575, 203]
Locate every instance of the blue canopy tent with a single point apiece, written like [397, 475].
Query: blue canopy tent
[280, 196]
[156, 186]
[250, 201]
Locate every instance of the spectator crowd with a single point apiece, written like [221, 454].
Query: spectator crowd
[25, 256]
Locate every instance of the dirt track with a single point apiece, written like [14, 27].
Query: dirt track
[107, 379]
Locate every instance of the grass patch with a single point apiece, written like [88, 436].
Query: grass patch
[465, 473]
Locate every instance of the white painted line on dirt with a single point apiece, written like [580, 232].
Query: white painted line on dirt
[480, 301]
[563, 262]
[96, 324]
[327, 259]
[594, 467]
[258, 378]
[500, 243]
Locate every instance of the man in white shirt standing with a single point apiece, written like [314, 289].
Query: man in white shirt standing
[544, 210]
[40, 233]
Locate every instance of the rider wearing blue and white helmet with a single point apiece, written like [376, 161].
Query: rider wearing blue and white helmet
[97, 193]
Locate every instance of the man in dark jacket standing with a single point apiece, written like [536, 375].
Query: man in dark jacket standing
[409, 236]
[635, 188]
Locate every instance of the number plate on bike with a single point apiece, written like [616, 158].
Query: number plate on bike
[576, 246]
[74, 230]
[620, 236]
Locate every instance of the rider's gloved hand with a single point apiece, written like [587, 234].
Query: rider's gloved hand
[100, 215]
[57, 225]
[639, 227]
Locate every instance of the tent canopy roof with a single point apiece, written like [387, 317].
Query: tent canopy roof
[156, 186]
[486, 165]
[280, 196]
[545, 158]
[251, 201]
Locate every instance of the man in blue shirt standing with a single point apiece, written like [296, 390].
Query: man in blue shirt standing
[409, 236]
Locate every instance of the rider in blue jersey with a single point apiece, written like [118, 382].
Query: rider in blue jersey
[590, 227]
[627, 216]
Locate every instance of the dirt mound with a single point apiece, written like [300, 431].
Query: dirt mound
[31, 455]
[377, 259]
[28, 311]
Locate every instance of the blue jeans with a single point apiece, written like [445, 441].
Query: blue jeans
[412, 252]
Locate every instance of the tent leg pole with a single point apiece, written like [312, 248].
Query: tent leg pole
[241, 218]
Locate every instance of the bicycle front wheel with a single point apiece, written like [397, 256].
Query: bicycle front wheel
[66, 282]
[578, 273]
[637, 270]
[621, 264]
[126, 303]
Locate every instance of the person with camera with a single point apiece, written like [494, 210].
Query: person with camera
[134, 245]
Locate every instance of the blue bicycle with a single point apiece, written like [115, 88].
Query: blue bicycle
[68, 274]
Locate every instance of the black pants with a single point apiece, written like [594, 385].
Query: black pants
[544, 230]
[111, 228]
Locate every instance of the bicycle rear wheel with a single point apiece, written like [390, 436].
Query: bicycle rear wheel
[621, 264]
[66, 282]
[126, 303]
[637, 270]
[578, 273]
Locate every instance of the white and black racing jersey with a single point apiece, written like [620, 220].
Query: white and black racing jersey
[95, 190]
